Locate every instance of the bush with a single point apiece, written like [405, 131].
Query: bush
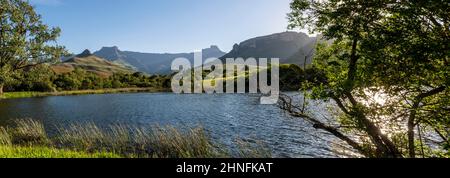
[67, 82]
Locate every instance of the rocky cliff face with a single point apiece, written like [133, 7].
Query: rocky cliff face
[286, 46]
[110, 53]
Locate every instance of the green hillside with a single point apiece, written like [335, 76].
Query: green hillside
[91, 63]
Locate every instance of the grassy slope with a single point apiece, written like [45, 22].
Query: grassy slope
[99, 66]
[44, 152]
[254, 71]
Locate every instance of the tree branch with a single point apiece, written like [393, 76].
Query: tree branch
[412, 117]
[286, 105]
[379, 139]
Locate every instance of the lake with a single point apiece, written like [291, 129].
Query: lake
[226, 117]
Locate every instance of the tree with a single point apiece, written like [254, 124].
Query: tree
[38, 78]
[25, 41]
[386, 69]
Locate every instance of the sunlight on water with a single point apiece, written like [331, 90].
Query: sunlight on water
[386, 120]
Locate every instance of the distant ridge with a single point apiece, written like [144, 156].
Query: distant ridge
[290, 47]
[152, 63]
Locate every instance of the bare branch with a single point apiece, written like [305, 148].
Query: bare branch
[286, 105]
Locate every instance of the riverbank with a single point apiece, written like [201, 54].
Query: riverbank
[28, 139]
[14, 95]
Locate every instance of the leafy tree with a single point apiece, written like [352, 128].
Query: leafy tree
[38, 78]
[25, 41]
[67, 82]
[386, 70]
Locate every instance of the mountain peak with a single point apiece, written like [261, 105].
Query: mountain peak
[213, 51]
[214, 47]
[112, 48]
[85, 53]
[110, 53]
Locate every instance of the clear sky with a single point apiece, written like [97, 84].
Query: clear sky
[161, 25]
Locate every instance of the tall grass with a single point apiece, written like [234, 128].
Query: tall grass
[120, 140]
[29, 132]
[156, 142]
[5, 138]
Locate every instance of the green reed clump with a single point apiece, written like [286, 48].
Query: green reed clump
[89, 137]
[28, 132]
[5, 138]
[170, 142]
[157, 142]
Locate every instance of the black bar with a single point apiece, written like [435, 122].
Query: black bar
[278, 167]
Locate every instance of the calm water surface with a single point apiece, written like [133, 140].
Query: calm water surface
[226, 117]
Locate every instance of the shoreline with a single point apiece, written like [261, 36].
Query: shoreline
[32, 94]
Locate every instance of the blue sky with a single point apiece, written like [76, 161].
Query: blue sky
[161, 25]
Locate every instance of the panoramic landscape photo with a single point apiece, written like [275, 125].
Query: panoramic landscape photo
[224, 79]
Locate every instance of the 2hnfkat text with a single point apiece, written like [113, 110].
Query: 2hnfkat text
[224, 168]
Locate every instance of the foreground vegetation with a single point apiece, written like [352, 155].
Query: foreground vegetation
[28, 139]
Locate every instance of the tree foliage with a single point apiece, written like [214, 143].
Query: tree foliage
[386, 70]
[25, 41]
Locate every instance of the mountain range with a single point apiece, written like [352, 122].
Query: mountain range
[152, 63]
[289, 47]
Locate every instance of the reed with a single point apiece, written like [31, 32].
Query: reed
[156, 142]
[114, 141]
[28, 132]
